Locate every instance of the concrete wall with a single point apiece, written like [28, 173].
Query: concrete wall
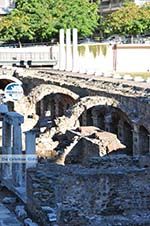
[100, 57]
[133, 58]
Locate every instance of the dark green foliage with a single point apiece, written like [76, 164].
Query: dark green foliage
[40, 20]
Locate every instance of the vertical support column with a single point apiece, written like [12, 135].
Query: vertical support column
[136, 140]
[95, 118]
[52, 109]
[6, 150]
[84, 118]
[64, 108]
[17, 168]
[121, 131]
[75, 51]
[149, 143]
[56, 108]
[68, 51]
[30, 138]
[42, 108]
[61, 50]
[108, 121]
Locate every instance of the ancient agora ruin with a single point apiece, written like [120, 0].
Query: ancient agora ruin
[75, 150]
[75, 147]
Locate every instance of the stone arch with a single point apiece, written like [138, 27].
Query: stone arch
[86, 103]
[71, 119]
[54, 105]
[29, 102]
[45, 89]
[5, 81]
[111, 119]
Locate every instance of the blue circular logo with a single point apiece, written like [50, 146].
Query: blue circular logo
[13, 91]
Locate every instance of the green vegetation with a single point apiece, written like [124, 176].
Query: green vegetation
[130, 19]
[40, 20]
[144, 75]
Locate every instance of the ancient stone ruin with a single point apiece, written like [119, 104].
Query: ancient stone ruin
[91, 139]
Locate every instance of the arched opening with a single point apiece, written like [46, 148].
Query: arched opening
[4, 82]
[99, 116]
[144, 140]
[52, 106]
[128, 138]
[110, 119]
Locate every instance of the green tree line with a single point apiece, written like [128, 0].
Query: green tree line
[40, 20]
[130, 19]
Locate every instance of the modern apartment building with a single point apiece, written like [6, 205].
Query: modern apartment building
[6, 6]
[108, 6]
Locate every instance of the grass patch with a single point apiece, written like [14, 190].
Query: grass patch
[144, 75]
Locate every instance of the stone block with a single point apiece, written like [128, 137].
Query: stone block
[29, 222]
[20, 212]
[9, 200]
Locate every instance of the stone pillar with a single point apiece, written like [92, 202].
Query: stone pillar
[121, 131]
[30, 140]
[108, 122]
[56, 107]
[75, 51]
[64, 108]
[49, 108]
[149, 143]
[136, 140]
[68, 51]
[14, 120]
[6, 170]
[52, 109]
[61, 50]
[42, 108]
[95, 118]
[17, 168]
[84, 118]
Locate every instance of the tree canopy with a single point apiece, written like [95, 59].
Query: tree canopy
[130, 19]
[40, 20]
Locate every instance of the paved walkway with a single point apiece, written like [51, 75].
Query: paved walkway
[7, 218]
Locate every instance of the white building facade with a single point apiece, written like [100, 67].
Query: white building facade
[6, 6]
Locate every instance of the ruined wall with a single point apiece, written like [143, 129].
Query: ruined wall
[76, 195]
[132, 98]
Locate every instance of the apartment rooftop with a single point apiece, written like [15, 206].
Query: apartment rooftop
[108, 6]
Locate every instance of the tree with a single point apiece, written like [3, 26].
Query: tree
[39, 20]
[130, 19]
[80, 14]
[15, 27]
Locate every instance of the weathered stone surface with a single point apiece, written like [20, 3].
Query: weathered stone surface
[29, 222]
[9, 200]
[20, 212]
[118, 93]
[86, 142]
[8, 218]
[95, 191]
[92, 196]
